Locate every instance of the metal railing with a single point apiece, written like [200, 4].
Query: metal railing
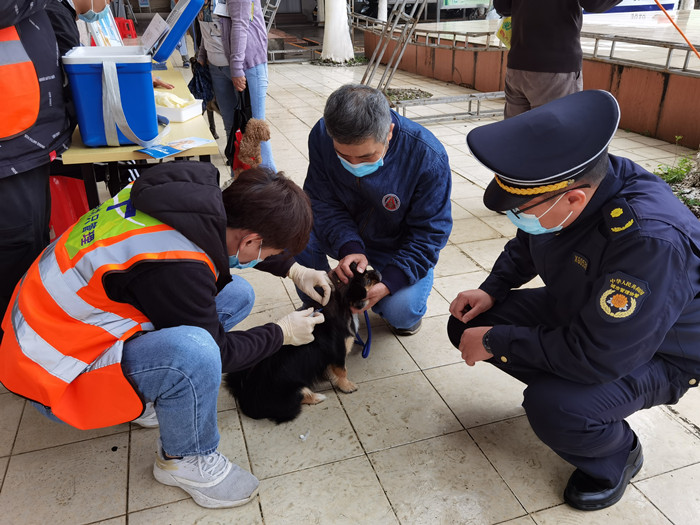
[400, 26]
[472, 40]
[474, 109]
[664, 52]
[661, 57]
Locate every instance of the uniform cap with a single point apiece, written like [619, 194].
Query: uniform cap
[545, 149]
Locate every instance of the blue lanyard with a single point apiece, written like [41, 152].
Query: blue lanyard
[358, 340]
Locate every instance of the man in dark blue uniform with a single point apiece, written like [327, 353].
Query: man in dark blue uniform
[616, 328]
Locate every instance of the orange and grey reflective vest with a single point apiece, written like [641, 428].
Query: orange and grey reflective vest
[64, 336]
[19, 85]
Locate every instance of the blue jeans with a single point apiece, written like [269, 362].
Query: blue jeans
[225, 94]
[256, 78]
[179, 369]
[402, 309]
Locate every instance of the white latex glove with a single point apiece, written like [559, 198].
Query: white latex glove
[298, 327]
[307, 278]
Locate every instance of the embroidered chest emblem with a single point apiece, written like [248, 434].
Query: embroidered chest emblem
[391, 202]
[621, 296]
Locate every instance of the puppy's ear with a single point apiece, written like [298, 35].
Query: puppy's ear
[353, 267]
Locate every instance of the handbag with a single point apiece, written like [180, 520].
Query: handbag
[201, 85]
[241, 115]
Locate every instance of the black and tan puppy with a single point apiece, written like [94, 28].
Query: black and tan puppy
[276, 387]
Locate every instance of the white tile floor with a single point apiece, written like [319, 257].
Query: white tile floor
[425, 439]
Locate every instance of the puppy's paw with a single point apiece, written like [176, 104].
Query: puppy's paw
[310, 397]
[345, 385]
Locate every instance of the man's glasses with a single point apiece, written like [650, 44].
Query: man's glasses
[518, 211]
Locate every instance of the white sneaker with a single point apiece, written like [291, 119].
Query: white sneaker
[212, 480]
[148, 419]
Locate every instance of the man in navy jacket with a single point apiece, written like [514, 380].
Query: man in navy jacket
[379, 186]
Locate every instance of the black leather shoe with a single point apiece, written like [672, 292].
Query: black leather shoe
[586, 493]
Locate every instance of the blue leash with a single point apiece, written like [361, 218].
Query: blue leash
[358, 340]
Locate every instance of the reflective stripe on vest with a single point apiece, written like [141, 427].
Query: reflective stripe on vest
[64, 336]
[19, 86]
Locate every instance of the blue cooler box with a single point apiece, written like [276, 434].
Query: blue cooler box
[84, 67]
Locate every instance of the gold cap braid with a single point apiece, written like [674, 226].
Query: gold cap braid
[537, 190]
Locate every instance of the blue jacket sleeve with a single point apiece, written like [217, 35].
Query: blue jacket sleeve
[612, 334]
[332, 221]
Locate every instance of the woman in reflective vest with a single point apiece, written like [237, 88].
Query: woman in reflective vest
[136, 303]
[63, 334]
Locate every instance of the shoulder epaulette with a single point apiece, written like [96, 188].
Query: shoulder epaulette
[619, 218]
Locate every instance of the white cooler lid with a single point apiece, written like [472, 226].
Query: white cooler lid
[90, 55]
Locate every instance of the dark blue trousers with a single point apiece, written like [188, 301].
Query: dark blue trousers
[583, 423]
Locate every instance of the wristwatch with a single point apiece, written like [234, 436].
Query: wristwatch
[485, 340]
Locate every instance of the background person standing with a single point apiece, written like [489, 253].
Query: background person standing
[245, 43]
[34, 129]
[545, 57]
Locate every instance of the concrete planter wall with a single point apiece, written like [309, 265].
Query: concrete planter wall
[655, 103]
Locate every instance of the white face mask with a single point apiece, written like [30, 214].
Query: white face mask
[91, 16]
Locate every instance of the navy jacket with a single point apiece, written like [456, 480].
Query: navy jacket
[51, 134]
[546, 34]
[624, 281]
[399, 216]
[186, 196]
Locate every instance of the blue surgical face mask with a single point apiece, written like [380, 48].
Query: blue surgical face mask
[91, 16]
[362, 169]
[531, 223]
[234, 263]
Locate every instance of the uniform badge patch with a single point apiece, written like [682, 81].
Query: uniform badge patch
[619, 218]
[391, 202]
[581, 261]
[621, 296]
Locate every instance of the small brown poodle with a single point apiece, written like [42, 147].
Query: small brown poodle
[248, 150]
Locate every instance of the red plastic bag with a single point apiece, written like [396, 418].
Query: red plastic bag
[68, 203]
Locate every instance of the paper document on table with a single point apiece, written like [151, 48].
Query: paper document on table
[155, 32]
[174, 147]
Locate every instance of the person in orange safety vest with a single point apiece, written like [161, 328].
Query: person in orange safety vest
[34, 128]
[126, 315]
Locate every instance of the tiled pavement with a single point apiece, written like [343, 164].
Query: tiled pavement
[425, 439]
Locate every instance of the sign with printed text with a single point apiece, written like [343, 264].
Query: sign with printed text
[462, 4]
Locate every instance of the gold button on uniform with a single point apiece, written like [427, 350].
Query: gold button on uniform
[693, 381]
[504, 359]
